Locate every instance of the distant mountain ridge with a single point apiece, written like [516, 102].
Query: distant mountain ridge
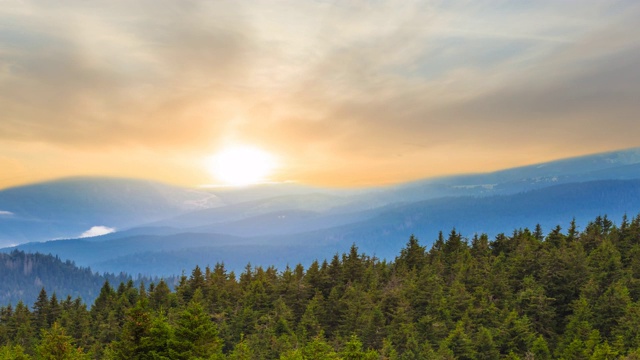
[276, 224]
[617, 165]
[66, 208]
[382, 233]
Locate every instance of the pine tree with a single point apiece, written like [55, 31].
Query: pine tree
[15, 352]
[156, 344]
[309, 325]
[54, 310]
[388, 352]
[134, 331]
[195, 282]
[353, 351]
[161, 297]
[412, 256]
[195, 334]
[540, 349]
[241, 351]
[459, 343]
[41, 310]
[485, 347]
[610, 308]
[57, 345]
[318, 349]
[21, 330]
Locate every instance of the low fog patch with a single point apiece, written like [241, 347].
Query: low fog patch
[97, 231]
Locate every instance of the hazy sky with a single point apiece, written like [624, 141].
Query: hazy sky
[341, 92]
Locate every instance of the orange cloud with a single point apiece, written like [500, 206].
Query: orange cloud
[344, 93]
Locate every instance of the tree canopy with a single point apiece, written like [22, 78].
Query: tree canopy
[566, 295]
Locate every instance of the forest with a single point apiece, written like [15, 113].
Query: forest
[566, 294]
[25, 274]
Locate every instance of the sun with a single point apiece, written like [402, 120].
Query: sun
[242, 165]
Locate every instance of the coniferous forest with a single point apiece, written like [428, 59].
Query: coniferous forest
[566, 294]
[24, 275]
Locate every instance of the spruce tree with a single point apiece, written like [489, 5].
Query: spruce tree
[57, 345]
[195, 334]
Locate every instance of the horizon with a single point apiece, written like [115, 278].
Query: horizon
[339, 95]
[336, 188]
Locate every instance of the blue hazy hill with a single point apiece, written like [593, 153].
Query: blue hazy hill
[175, 228]
[383, 234]
[66, 208]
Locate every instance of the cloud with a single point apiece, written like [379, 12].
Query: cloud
[5, 213]
[102, 77]
[334, 86]
[97, 231]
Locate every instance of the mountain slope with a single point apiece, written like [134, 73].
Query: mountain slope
[617, 165]
[67, 208]
[382, 233]
[24, 275]
[550, 206]
[166, 222]
[87, 252]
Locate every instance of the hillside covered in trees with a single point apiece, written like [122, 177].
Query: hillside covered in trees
[564, 295]
[24, 275]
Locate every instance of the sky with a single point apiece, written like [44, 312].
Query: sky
[340, 93]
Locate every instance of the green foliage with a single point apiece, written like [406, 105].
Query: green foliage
[540, 349]
[135, 329]
[241, 351]
[157, 343]
[15, 352]
[57, 345]
[318, 349]
[353, 351]
[459, 343]
[523, 296]
[24, 275]
[195, 334]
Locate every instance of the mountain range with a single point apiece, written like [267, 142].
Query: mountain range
[160, 229]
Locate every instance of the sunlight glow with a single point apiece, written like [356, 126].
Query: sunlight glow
[242, 165]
